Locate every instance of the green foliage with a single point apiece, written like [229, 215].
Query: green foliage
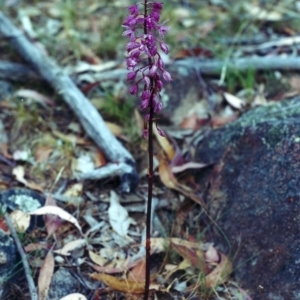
[237, 80]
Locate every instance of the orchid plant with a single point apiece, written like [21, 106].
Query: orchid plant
[145, 66]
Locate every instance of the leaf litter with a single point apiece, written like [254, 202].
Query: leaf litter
[43, 125]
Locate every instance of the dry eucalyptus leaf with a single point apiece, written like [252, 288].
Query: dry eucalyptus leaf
[65, 250]
[57, 211]
[121, 285]
[118, 216]
[45, 276]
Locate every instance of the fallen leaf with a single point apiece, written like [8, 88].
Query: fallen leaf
[42, 153]
[138, 273]
[121, 285]
[45, 276]
[57, 211]
[35, 246]
[99, 159]
[33, 95]
[52, 222]
[115, 129]
[220, 273]
[75, 296]
[65, 250]
[97, 259]
[75, 190]
[19, 173]
[165, 144]
[20, 220]
[234, 101]
[71, 138]
[192, 254]
[169, 180]
[189, 165]
[118, 216]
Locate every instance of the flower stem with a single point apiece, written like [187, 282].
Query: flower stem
[150, 174]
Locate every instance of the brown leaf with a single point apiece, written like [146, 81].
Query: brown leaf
[138, 273]
[220, 273]
[169, 180]
[165, 144]
[42, 153]
[45, 276]
[52, 222]
[121, 285]
[191, 254]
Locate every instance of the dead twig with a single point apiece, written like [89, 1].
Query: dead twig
[32, 288]
[89, 117]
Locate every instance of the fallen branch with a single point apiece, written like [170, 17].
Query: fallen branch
[208, 67]
[32, 288]
[214, 67]
[16, 72]
[87, 114]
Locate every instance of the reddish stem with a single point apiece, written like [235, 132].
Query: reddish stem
[150, 173]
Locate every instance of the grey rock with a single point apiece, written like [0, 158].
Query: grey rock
[253, 193]
[8, 262]
[63, 284]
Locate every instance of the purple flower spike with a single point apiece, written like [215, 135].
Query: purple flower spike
[145, 33]
[131, 75]
[134, 9]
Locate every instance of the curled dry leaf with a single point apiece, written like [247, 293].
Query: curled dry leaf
[169, 180]
[57, 211]
[220, 273]
[45, 276]
[19, 172]
[121, 285]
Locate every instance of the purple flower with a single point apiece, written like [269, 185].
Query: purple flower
[131, 63]
[131, 75]
[134, 9]
[162, 30]
[153, 70]
[160, 63]
[164, 48]
[146, 95]
[133, 90]
[159, 85]
[157, 6]
[158, 107]
[145, 35]
[167, 76]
